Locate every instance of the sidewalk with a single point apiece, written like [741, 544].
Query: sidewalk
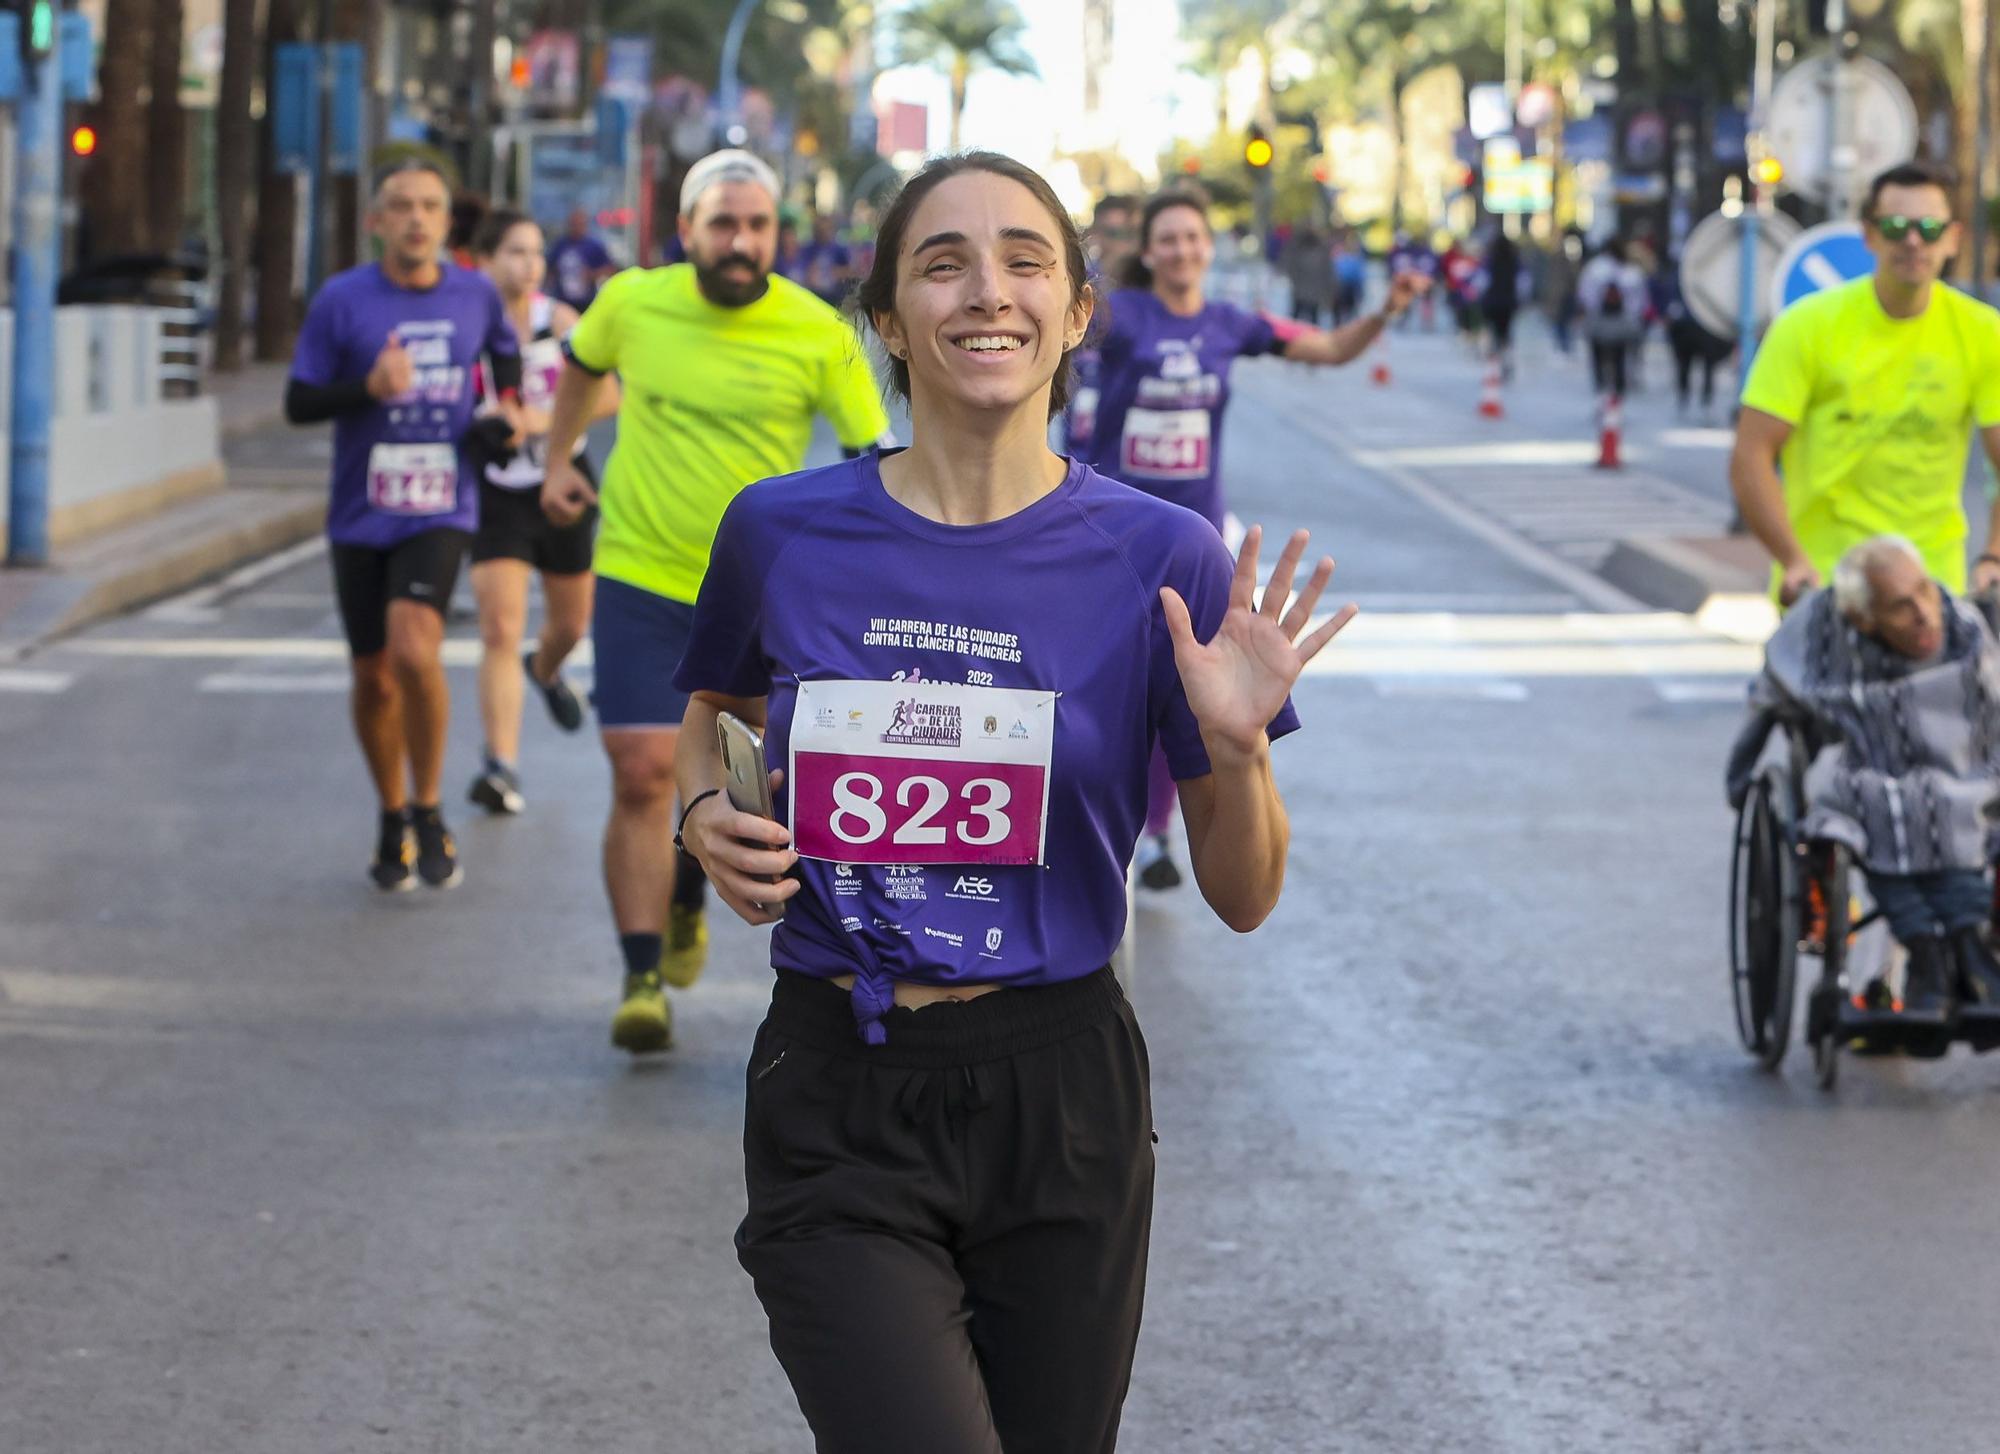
[273, 495]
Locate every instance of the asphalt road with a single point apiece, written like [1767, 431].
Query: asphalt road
[1458, 1153]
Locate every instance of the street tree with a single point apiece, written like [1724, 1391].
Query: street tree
[960, 37]
[115, 196]
[235, 155]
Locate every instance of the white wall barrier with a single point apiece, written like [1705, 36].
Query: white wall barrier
[119, 447]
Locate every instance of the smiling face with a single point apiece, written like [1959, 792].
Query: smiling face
[517, 266]
[1178, 248]
[1910, 260]
[985, 304]
[411, 214]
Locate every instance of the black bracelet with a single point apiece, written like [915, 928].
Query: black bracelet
[695, 802]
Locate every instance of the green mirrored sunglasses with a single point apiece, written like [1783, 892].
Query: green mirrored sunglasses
[1895, 229]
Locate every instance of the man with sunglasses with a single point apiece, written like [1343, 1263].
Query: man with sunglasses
[1857, 411]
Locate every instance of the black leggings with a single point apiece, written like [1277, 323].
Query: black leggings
[1694, 345]
[1607, 365]
[948, 1232]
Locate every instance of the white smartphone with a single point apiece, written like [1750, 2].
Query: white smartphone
[743, 759]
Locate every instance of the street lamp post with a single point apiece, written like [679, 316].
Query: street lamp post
[729, 93]
[1761, 201]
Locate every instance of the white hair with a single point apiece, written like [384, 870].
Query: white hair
[1854, 574]
[729, 165]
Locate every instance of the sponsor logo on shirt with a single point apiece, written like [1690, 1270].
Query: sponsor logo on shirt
[993, 938]
[851, 924]
[956, 941]
[905, 883]
[824, 719]
[992, 727]
[925, 724]
[1018, 731]
[846, 883]
[971, 886]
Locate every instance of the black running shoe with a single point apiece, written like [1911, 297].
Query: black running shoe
[497, 789]
[564, 705]
[437, 853]
[394, 855]
[1156, 864]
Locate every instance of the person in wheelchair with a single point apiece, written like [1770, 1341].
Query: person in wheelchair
[1900, 681]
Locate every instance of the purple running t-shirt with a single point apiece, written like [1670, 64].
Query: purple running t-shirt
[925, 656]
[397, 467]
[1162, 386]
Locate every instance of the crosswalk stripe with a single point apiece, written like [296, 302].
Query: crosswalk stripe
[276, 682]
[23, 679]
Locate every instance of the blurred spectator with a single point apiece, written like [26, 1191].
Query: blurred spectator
[1309, 266]
[578, 263]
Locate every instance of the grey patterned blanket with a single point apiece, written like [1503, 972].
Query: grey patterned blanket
[1908, 773]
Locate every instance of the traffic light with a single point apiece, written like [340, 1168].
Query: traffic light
[1257, 150]
[83, 141]
[38, 28]
[1769, 171]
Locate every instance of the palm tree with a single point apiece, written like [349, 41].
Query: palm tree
[962, 36]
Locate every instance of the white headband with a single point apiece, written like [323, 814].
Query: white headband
[731, 165]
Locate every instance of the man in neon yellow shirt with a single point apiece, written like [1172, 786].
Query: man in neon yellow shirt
[723, 367]
[1858, 411]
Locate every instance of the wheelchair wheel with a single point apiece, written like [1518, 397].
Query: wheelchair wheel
[1824, 1017]
[1763, 927]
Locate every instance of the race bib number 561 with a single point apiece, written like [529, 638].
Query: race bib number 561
[920, 772]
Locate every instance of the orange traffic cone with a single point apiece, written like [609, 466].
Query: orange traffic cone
[1379, 374]
[1489, 393]
[1612, 426]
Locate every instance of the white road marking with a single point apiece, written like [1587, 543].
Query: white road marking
[1435, 688]
[277, 683]
[1703, 692]
[458, 652]
[22, 679]
[200, 605]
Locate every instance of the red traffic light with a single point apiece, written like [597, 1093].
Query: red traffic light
[83, 141]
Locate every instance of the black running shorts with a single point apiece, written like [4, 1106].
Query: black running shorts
[513, 527]
[366, 579]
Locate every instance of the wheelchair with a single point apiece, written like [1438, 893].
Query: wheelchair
[1791, 899]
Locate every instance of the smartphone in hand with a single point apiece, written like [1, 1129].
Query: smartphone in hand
[743, 760]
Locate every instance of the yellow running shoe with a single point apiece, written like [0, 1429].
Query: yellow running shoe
[687, 946]
[644, 1023]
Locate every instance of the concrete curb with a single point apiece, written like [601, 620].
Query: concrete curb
[64, 602]
[1676, 575]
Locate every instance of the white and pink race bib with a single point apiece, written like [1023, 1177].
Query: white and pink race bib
[413, 479]
[1165, 444]
[920, 772]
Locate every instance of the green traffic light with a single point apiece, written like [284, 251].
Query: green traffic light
[42, 27]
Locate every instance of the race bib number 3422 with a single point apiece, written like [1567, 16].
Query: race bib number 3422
[920, 772]
[413, 479]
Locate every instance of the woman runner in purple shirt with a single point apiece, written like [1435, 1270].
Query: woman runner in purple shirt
[961, 655]
[1163, 381]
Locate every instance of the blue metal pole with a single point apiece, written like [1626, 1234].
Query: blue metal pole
[729, 95]
[37, 168]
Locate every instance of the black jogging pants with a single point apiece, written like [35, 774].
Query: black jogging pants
[948, 1232]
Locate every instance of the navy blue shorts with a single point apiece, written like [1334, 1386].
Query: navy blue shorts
[639, 639]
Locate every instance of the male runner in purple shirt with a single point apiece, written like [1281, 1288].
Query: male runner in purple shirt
[387, 353]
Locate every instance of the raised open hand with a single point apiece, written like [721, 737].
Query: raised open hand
[1237, 681]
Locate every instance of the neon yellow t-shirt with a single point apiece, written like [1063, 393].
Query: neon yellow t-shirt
[714, 399]
[1882, 411]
